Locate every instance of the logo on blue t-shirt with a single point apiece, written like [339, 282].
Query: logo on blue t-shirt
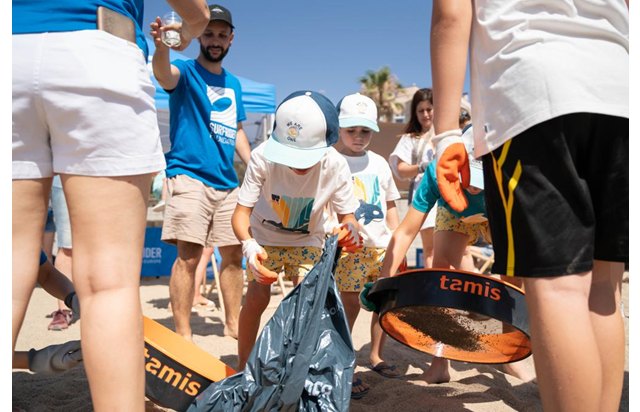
[222, 119]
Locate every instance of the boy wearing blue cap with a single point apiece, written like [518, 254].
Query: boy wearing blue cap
[279, 216]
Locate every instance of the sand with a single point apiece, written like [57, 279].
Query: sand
[472, 387]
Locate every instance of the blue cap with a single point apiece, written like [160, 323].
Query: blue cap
[306, 126]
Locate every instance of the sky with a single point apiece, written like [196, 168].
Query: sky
[324, 46]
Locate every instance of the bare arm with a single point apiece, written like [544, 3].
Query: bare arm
[240, 222]
[407, 170]
[392, 215]
[348, 218]
[54, 282]
[166, 74]
[242, 145]
[450, 31]
[401, 240]
[195, 18]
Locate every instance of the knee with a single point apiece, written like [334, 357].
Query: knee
[231, 256]
[187, 263]
[256, 303]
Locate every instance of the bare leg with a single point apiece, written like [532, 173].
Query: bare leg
[377, 341]
[466, 263]
[181, 286]
[256, 301]
[524, 369]
[608, 326]
[427, 246]
[108, 219]
[28, 214]
[571, 312]
[351, 302]
[231, 284]
[47, 244]
[438, 372]
[201, 273]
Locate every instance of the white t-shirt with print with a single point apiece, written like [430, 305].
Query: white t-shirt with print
[528, 67]
[373, 186]
[287, 207]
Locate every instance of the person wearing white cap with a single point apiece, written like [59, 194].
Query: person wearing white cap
[279, 218]
[453, 232]
[376, 191]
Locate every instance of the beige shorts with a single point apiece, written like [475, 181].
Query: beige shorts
[354, 270]
[294, 261]
[83, 103]
[446, 221]
[197, 213]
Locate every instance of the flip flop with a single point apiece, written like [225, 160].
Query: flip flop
[360, 394]
[208, 305]
[386, 370]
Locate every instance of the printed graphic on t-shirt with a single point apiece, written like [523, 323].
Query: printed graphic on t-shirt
[223, 118]
[294, 213]
[367, 190]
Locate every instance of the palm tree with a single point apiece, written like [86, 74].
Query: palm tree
[382, 86]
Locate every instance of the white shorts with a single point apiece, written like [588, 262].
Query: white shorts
[83, 103]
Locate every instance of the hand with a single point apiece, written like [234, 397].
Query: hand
[404, 266]
[477, 218]
[156, 33]
[72, 302]
[423, 166]
[255, 255]
[348, 237]
[452, 164]
[365, 303]
[55, 358]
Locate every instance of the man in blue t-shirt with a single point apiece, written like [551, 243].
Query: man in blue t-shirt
[205, 132]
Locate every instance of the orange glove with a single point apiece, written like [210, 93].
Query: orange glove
[348, 237]
[255, 255]
[452, 164]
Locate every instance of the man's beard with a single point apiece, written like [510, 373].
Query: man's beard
[205, 53]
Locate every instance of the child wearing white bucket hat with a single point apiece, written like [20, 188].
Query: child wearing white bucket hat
[279, 216]
[376, 192]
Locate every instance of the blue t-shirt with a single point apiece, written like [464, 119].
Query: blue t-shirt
[205, 110]
[41, 16]
[428, 193]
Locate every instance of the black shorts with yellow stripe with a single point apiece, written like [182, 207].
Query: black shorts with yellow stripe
[557, 196]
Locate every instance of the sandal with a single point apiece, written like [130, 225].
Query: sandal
[362, 392]
[386, 370]
[207, 305]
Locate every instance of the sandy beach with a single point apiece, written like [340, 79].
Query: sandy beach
[472, 388]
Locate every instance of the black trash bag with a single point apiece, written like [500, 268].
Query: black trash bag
[303, 359]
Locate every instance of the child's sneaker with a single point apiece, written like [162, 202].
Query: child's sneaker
[61, 319]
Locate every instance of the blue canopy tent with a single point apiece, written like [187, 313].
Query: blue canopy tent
[259, 101]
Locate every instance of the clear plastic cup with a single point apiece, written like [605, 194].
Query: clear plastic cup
[171, 37]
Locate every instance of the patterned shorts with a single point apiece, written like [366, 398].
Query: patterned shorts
[354, 270]
[294, 261]
[447, 221]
